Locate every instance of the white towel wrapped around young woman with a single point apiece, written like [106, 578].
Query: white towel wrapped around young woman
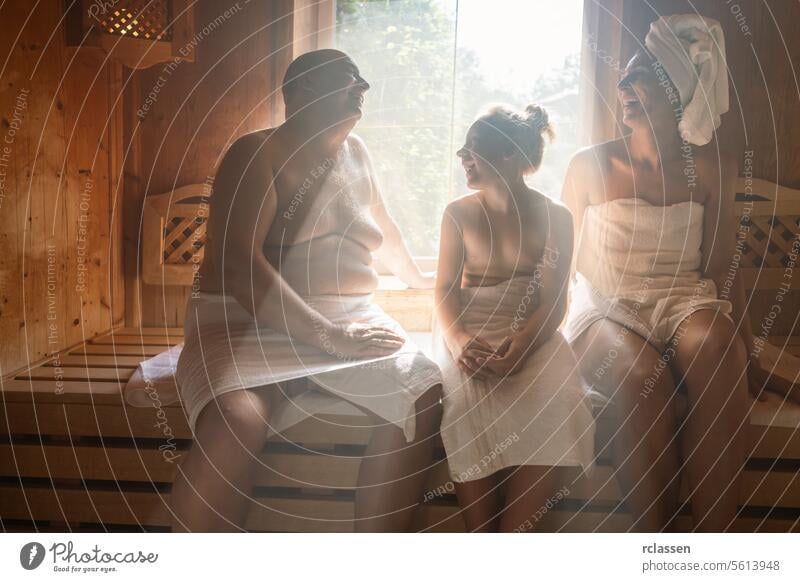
[542, 415]
[224, 350]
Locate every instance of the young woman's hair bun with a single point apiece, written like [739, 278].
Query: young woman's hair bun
[537, 118]
[525, 131]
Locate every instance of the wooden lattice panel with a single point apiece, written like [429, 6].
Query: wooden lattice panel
[185, 231]
[146, 19]
[769, 219]
[769, 241]
[174, 235]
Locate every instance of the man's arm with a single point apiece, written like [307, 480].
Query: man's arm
[245, 204]
[394, 252]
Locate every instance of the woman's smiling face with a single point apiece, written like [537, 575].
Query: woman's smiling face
[646, 99]
[484, 155]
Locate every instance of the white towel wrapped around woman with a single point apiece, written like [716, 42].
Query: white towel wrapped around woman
[232, 353]
[539, 416]
[639, 265]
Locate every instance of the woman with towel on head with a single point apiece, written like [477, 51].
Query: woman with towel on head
[516, 413]
[655, 221]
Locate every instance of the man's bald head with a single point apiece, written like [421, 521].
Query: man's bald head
[308, 67]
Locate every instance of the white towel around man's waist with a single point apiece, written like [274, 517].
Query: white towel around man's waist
[154, 380]
[224, 351]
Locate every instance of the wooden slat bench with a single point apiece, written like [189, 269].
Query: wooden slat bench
[75, 456]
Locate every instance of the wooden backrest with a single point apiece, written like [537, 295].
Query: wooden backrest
[174, 235]
[768, 239]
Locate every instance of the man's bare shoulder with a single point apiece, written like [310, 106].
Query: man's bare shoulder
[355, 142]
[250, 143]
[359, 149]
[248, 159]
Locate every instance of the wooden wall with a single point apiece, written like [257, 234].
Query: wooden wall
[60, 266]
[177, 137]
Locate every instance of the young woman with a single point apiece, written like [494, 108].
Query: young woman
[654, 211]
[515, 410]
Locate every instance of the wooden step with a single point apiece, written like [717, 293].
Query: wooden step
[142, 351]
[87, 420]
[84, 361]
[137, 340]
[45, 373]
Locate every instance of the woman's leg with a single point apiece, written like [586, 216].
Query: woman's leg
[393, 473]
[711, 360]
[214, 482]
[623, 366]
[480, 504]
[529, 489]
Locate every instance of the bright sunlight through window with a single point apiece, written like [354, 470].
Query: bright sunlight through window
[433, 65]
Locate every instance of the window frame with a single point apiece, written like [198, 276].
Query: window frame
[327, 38]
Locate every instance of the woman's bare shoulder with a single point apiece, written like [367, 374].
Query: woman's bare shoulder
[589, 164]
[464, 205]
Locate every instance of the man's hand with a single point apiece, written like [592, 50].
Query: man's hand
[362, 340]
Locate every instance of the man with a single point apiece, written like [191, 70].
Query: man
[285, 306]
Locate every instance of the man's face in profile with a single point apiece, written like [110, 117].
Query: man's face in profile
[339, 89]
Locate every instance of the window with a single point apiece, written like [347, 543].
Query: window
[432, 65]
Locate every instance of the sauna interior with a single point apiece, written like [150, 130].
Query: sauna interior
[114, 116]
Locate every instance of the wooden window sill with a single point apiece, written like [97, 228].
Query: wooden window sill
[412, 308]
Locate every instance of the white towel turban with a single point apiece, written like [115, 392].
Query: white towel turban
[691, 48]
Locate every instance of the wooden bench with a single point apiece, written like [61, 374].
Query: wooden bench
[74, 456]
